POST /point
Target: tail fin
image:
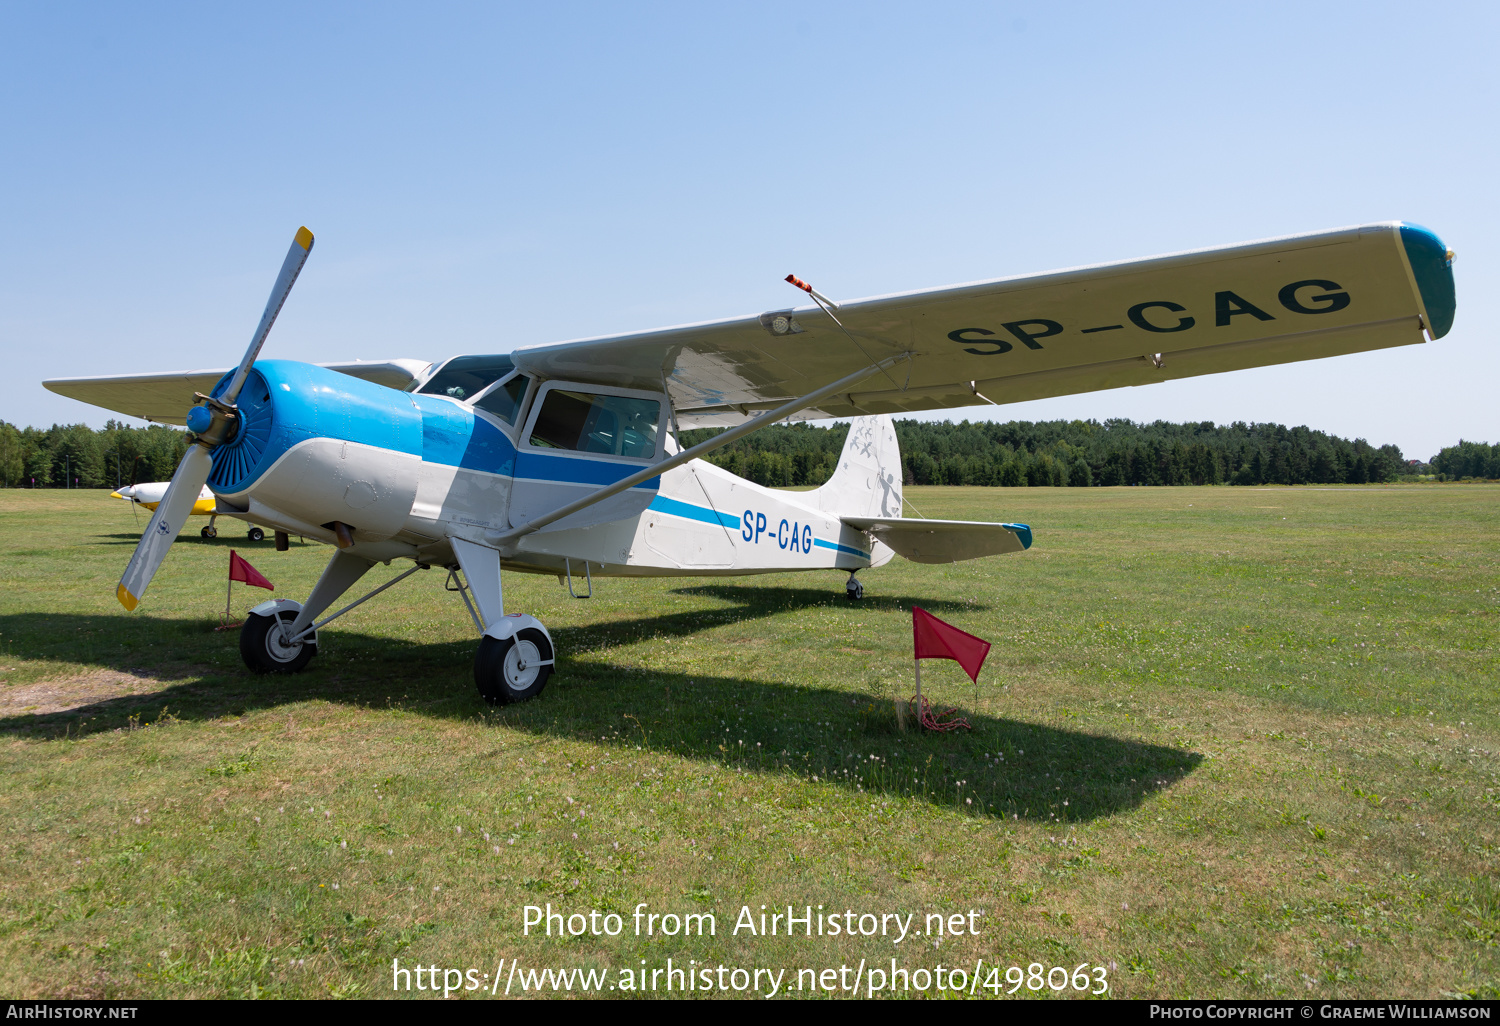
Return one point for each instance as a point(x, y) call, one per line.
point(867, 482)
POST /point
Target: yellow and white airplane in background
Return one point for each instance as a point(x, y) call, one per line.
point(150, 495)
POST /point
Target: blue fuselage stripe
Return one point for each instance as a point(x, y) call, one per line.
point(688, 511)
point(820, 543)
point(535, 466)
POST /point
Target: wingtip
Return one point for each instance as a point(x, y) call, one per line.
point(304, 238)
point(127, 600)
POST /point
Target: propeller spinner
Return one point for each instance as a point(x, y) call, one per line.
point(213, 422)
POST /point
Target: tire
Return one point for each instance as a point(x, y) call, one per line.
point(511, 671)
point(209, 532)
point(256, 534)
point(262, 651)
point(854, 591)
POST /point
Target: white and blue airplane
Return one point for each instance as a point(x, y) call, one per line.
point(563, 459)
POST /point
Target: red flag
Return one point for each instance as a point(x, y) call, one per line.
point(934, 639)
point(239, 570)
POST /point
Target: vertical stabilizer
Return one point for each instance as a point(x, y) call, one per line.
point(867, 482)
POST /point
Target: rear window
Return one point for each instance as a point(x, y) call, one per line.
point(608, 424)
point(503, 401)
point(464, 377)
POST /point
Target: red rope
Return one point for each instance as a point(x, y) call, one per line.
point(942, 719)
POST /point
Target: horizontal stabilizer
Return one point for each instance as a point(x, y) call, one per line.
point(943, 541)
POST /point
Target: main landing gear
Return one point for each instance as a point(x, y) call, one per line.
point(853, 590)
point(266, 645)
point(255, 534)
point(514, 669)
point(515, 656)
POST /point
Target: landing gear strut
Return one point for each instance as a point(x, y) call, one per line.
point(515, 655)
point(281, 637)
point(853, 590)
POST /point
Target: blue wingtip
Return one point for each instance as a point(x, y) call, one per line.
point(1433, 268)
point(1023, 532)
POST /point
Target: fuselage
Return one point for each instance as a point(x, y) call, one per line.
point(405, 472)
point(150, 494)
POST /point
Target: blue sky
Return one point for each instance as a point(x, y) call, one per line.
point(486, 176)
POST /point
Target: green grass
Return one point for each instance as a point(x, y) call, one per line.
point(1230, 742)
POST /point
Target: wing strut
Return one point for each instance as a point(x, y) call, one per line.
point(734, 434)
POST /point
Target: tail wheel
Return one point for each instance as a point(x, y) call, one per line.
point(854, 590)
point(514, 669)
point(264, 648)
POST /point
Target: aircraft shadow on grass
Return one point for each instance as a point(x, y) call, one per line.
point(847, 739)
point(763, 601)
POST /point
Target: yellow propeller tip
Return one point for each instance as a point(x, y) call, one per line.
point(304, 238)
point(116, 495)
point(127, 600)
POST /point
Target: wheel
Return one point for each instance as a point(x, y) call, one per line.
point(264, 650)
point(210, 532)
point(854, 591)
point(256, 534)
point(512, 670)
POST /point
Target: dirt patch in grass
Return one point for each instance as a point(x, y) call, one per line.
point(77, 692)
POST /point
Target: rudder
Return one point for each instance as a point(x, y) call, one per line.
point(867, 481)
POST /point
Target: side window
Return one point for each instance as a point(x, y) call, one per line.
point(506, 399)
point(608, 424)
point(464, 377)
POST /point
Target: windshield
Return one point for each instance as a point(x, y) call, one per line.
point(466, 376)
point(504, 400)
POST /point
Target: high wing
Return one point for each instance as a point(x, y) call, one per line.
point(166, 398)
point(1301, 297)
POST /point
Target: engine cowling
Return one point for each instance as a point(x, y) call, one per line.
point(321, 446)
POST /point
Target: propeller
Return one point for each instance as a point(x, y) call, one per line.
point(213, 422)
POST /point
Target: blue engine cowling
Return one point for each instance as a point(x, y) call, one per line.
point(322, 446)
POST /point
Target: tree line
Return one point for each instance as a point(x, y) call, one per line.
point(1011, 454)
point(1075, 453)
point(77, 456)
point(1468, 460)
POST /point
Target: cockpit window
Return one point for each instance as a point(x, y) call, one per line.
point(504, 400)
point(464, 377)
point(609, 424)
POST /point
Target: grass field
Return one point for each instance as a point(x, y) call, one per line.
point(1230, 742)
